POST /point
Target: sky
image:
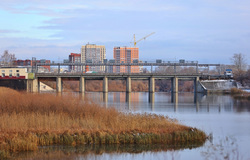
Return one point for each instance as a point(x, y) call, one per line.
point(207, 31)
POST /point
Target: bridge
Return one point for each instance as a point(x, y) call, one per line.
point(33, 85)
point(82, 77)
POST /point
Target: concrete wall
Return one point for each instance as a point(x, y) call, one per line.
point(19, 84)
point(218, 85)
point(201, 88)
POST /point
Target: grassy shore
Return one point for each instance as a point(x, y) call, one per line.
point(32, 120)
point(240, 94)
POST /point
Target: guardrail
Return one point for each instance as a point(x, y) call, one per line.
point(125, 64)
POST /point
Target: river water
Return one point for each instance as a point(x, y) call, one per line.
point(226, 119)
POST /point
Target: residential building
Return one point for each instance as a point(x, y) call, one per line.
point(91, 53)
point(13, 73)
point(74, 58)
point(110, 69)
point(126, 55)
point(30, 63)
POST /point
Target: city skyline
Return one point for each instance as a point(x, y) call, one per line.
point(208, 31)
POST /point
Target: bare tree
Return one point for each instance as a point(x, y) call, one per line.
point(7, 58)
point(239, 61)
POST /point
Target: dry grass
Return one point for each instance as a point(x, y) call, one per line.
point(237, 91)
point(240, 94)
point(25, 117)
point(48, 112)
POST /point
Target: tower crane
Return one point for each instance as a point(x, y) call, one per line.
point(143, 38)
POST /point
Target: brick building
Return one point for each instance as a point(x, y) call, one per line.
point(30, 63)
point(74, 58)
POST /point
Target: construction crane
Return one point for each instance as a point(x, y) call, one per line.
point(135, 42)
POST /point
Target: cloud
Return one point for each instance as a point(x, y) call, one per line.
point(198, 29)
point(2, 31)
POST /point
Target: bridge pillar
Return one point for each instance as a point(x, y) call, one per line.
point(33, 85)
point(105, 84)
point(151, 84)
point(174, 84)
point(128, 84)
point(196, 81)
point(58, 84)
point(82, 85)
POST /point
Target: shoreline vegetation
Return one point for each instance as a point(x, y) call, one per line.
point(240, 94)
point(32, 120)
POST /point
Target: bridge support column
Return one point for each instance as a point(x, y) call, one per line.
point(128, 84)
point(105, 84)
point(151, 84)
point(82, 85)
point(174, 84)
point(196, 81)
point(58, 84)
point(33, 85)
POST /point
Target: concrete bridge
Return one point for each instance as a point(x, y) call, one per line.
point(33, 85)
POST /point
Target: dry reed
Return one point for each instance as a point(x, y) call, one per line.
point(240, 94)
point(28, 120)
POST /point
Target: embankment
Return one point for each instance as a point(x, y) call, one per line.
point(219, 86)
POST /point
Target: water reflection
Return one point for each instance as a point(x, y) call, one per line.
point(170, 102)
point(98, 151)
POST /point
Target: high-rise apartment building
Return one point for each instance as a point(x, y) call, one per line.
point(91, 53)
point(126, 55)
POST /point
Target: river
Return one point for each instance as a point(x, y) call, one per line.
point(221, 116)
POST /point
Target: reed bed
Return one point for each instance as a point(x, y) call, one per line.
point(240, 94)
point(31, 120)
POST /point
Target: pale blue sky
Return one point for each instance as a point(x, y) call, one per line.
point(209, 31)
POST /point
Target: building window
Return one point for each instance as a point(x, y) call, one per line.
point(3, 71)
point(10, 71)
point(17, 71)
point(17, 75)
point(3, 74)
point(10, 75)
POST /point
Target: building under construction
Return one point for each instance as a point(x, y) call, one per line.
point(126, 55)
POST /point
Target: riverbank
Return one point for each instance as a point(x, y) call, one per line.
point(240, 94)
point(32, 120)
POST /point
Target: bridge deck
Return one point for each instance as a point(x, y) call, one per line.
point(125, 75)
point(117, 75)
